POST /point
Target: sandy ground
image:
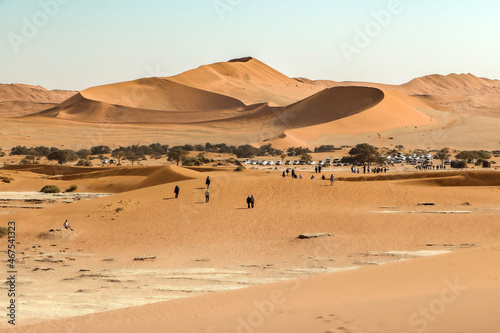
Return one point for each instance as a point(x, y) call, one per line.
point(207, 252)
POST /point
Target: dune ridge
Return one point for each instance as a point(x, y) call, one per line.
point(250, 102)
point(21, 99)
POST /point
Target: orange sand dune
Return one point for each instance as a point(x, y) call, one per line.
point(463, 93)
point(245, 101)
point(452, 84)
point(36, 94)
point(21, 99)
point(325, 106)
point(248, 80)
point(81, 109)
point(159, 94)
point(109, 179)
point(22, 108)
point(449, 178)
point(394, 111)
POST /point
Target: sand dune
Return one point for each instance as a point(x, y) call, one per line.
point(245, 101)
point(21, 99)
point(36, 94)
point(160, 94)
point(248, 80)
point(112, 180)
point(450, 178)
point(394, 111)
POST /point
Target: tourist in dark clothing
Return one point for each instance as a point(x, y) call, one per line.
point(249, 201)
point(252, 200)
point(207, 182)
point(176, 191)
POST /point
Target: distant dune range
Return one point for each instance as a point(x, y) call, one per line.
point(21, 99)
point(245, 101)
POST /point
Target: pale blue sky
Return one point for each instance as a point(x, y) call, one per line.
point(77, 44)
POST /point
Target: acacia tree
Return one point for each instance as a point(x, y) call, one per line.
point(118, 154)
point(365, 153)
point(132, 158)
point(176, 154)
point(306, 158)
point(83, 153)
point(442, 154)
point(32, 155)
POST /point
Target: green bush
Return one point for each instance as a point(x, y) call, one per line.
point(24, 161)
point(460, 164)
point(5, 179)
point(50, 189)
point(84, 163)
point(240, 168)
point(72, 188)
point(191, 161)
point(3, 231)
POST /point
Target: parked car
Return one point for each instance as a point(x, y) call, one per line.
point(270, 163)
point(296, 162)
point(288, 162)
point(279, 163)
point(263, 162)
point(312, 163)
point(105, 161)
point(321, 163)
point(254, 162)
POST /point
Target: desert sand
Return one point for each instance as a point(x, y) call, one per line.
point(404, 251)
point(381, 236)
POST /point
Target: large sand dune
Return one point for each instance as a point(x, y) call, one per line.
point(20, 99)
point(245, 101)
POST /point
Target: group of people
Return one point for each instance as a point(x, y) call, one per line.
point(367, 169)
point(313, 177)
point(430, 167)
point(207, 192)
point(250, 198)
point(294, 174)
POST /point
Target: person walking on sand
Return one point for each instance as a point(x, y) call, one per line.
point(287, 171)
point(176, 191)
point(249, 201)
point(207, 195)
point(332, 179)
point(252, 200)
point(207, 182)
point(67, 225)
point(284, 174)
point(316, 169)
